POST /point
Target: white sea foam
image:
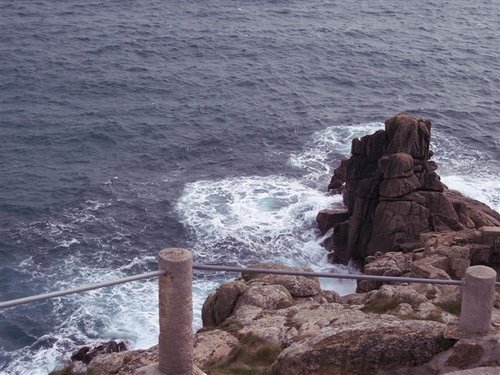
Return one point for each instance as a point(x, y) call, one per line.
point(127, 312)
point(242, 219)
point(467, 170)
point(68, 243)
point(122, 311)
point(326, 147)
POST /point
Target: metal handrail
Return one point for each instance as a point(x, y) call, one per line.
point(41, 297)
point(214, 267)
point(207, 267)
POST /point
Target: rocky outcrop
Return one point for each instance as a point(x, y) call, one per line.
point(289, 325)
point(394, 327)
point(444, 255)
point(324, 334)
point(393, 194)
point(213, 346)
point(262, 291)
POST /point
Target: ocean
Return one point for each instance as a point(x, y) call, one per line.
point(127, 127)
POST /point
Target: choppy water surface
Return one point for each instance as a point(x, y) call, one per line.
point(127, 127)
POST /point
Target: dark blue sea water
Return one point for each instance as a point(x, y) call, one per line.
point(127, 127)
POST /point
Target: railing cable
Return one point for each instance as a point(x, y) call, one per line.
point(232, 269)
point(41, 297)
point(207, 267)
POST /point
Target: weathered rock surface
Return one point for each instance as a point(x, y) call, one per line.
point(328, 218)
point(474, 355)
point(87, 353)
point(388, 264)
point(297, 286)
point(395, 329)
point(125, 363)
point(478, 371)
point(444, 255)
point(212, 346)
point(363, 348)
point(264, 291)
point(219, 306)
point(393, 194)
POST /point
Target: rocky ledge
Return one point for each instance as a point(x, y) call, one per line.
point(399, 220)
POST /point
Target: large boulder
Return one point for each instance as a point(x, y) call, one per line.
point(364, 348)
point(478, 355)
point(255, 292)
point(220, 304)
point(392, 194)
point(267, 297)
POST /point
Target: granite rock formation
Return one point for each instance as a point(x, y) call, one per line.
point(289, 325)
point(393, 194)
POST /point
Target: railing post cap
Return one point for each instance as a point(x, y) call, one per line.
point(481, 272)
point(175, 255)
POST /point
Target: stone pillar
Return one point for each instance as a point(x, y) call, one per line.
point(176, 312)
point(477, 300)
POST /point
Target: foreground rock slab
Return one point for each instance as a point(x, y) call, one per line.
point(364, 348)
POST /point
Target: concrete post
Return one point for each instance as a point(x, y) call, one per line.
point(176, 312)
point(477, 300)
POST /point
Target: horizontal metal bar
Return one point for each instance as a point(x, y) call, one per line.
point(41, 297)
point(213, 267)
point(206, 267)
